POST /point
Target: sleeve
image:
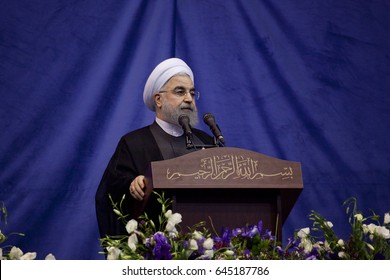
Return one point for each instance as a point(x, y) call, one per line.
point(116, 180)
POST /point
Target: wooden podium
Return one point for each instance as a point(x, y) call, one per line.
point(229, 187)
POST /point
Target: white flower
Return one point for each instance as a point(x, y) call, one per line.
point(113, 253)
point(208, 244)
point(341, 243)
point(359, 217)
point(132, 242)
point(327, 246)
point(50, 257)
point(229, 253)
point(15, 253)
point(376, 230)
point(342, 254)
point(29, 256)
point(306, 245)
point(193, 245)
point(386, 219)
point(173, 218)
point(131, 226)
point(303, 233)
point(168, 213)
point(383, 232)
point(319, 245)
point(172, 234)
point(197, 235)
point(209, 253)
point(372, 227)
point(329, 224)
point(365, 229)
point(170, 227)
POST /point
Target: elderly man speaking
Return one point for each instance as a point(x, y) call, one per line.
point(169, 91)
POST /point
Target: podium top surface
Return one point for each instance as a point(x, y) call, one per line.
point(226, 168)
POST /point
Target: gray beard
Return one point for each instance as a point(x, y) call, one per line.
point(172, 114)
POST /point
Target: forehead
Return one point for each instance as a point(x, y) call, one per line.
point(179, 81)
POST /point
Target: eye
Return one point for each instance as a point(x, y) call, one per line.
point(180, 92)
point(192, 92)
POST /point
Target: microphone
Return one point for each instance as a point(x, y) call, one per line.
point(210, 121)
point(184, 122)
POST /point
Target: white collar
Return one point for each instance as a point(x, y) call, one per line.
point(169, 128)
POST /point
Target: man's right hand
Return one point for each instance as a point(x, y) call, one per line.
point(137, 187)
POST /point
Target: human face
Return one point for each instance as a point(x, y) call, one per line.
point(169, 106)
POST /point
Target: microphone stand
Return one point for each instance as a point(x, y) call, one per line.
point(203, 147)
point(189, 142)
point(218, 142)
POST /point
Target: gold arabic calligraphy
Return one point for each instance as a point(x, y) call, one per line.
point(230, 166)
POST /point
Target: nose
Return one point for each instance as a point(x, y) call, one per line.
point(188, 97)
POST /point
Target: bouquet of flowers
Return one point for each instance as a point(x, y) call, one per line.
point(168, 241)
point(369, 239)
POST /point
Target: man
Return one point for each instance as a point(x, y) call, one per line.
point(170, 92)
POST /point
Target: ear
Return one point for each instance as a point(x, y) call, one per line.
point(157, 100)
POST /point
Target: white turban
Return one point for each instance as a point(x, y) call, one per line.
point(160, 75)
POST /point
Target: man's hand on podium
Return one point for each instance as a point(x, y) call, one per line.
point(137, 187)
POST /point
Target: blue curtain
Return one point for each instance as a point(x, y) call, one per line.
point(299, 80)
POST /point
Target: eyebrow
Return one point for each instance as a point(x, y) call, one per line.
point(182, 87)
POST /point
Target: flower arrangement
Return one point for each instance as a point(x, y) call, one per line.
point(12, 252)
point(368, 240)
point(168, 241)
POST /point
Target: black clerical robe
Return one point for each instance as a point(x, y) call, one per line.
point(131, 158)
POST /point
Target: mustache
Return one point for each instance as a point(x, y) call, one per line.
point(187, 108)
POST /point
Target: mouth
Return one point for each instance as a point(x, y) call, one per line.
point(187, 109)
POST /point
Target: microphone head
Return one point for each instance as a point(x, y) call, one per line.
point(210, 121)
point(184, 119)
point(207, 118)
point(184, 122)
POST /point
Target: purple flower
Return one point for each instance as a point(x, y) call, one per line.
point(252, 231)
point(224, 240)
point(247, 253)
point(268, 235)
point(292, 242)
point(161, 250)
point(200, 245)
point(236, 232)
point(147, 243)
point(260, 226)
point(312, 255)
point(226, 236)
point(185, 244)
